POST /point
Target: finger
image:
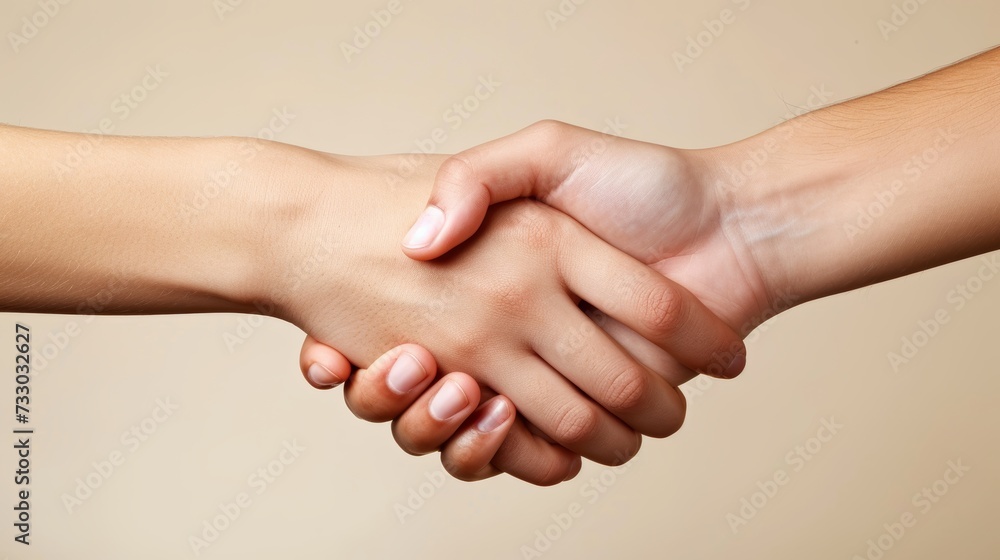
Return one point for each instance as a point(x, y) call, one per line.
point(530, 162)
point(322, 366)
point(657, 308)
point(468, 454)
point(524, 452)
point(596, 364)
point(644, 351)
point(392, 383)
point(436, 414)
point(533, 458)
point(555, 406)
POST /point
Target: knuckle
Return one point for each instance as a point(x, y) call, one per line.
point(532, 226)
point(623, 450)
point(576, 423)
point(663, 310)
point(509, 297)
point(625, 454)
point(467, 342)
point(455, 171)
point(366, 406)
point(546, 466)
point(674, 421)
point(553, 473)
point(626, 390)
point(412, 441)
point(461, 463)
point(551, 130)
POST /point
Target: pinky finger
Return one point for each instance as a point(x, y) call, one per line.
point(468, 454)
point(323, 366)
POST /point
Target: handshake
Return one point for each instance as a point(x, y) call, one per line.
point(621, 273)
point(565, 282)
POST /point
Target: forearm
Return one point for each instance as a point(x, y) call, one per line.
point(141, 225)
point(877, 187)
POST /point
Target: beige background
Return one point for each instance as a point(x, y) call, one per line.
point(339, 498)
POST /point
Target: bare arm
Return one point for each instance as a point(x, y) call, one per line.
point(124, 224)
point(873, 188)
point(180, 225)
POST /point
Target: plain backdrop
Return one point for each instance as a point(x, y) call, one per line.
point(708, 492)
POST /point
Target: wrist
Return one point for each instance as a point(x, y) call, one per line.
point(237, 209)
point(285, 193)
point(824, 208)
point(335, 220)
point(780, 203)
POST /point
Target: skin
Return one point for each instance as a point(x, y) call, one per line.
point(857, 193)
point(184, 225)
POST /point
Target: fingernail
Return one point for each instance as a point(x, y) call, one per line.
point(449, 401)
point(493, 417)
point(423, 232)
point(405, 374)
point(736, 366)
point(321, 376)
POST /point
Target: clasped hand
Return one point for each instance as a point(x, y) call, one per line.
point(585, 308)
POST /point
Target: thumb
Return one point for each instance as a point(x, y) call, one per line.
point(530, 162)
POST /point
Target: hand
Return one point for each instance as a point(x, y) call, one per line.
point(651, 200)
point(507, 273)
point(656, 203)
point(480, 431)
